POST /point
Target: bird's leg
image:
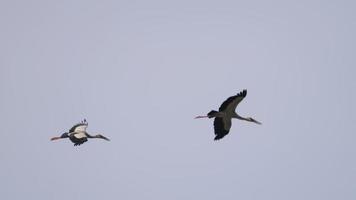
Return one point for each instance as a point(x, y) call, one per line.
point(249, 119)
point(98, 136)
point(255, 121)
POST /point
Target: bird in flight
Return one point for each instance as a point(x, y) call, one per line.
point(222, 121)
point(78, 134)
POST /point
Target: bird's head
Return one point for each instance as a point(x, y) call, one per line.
point(65, 135)
point(253, 120)
point(211, 114)
point(102, 137)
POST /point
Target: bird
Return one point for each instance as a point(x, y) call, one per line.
point(222, 121)
point(78, 134)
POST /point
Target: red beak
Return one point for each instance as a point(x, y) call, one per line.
point(55, 138)
point(198, 117)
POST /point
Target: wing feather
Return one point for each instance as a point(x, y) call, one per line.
point(231, 103)
point(222, 127)
point(78, 138)
point(80, 127)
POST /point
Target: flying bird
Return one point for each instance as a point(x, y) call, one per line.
point(78, 134)
point(222, 121)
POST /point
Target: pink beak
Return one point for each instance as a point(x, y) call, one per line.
point(55, 138)
point(198, 117)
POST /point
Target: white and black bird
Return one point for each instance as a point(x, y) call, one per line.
point(78, 134)
point(222, 121)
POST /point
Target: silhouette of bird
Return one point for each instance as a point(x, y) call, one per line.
point(222, 121)
point(78, 134)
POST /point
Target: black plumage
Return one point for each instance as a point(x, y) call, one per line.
point(78, 134)
point(219, 128)
point(230, 100)
point(77, 141)
point(222, 121)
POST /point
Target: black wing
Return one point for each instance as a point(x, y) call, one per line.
point(80, 142)
point(77, 141)
point(221, 127)
point(80, 127)
point(233, 101)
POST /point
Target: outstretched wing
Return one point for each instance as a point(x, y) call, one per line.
point(80, 127)
point(222, 127)
point(229, 105)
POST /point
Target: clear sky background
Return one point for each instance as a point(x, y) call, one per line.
point(140, 71)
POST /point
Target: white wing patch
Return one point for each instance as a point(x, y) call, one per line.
point(81, 128)
point(79, 135)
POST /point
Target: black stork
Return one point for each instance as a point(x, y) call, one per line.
point(222, 121)
point(78, 134)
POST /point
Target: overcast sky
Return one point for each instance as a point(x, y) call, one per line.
point(140, 71)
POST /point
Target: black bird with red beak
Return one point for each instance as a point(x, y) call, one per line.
point(222, 121)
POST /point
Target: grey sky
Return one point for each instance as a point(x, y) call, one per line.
point(140, 71)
